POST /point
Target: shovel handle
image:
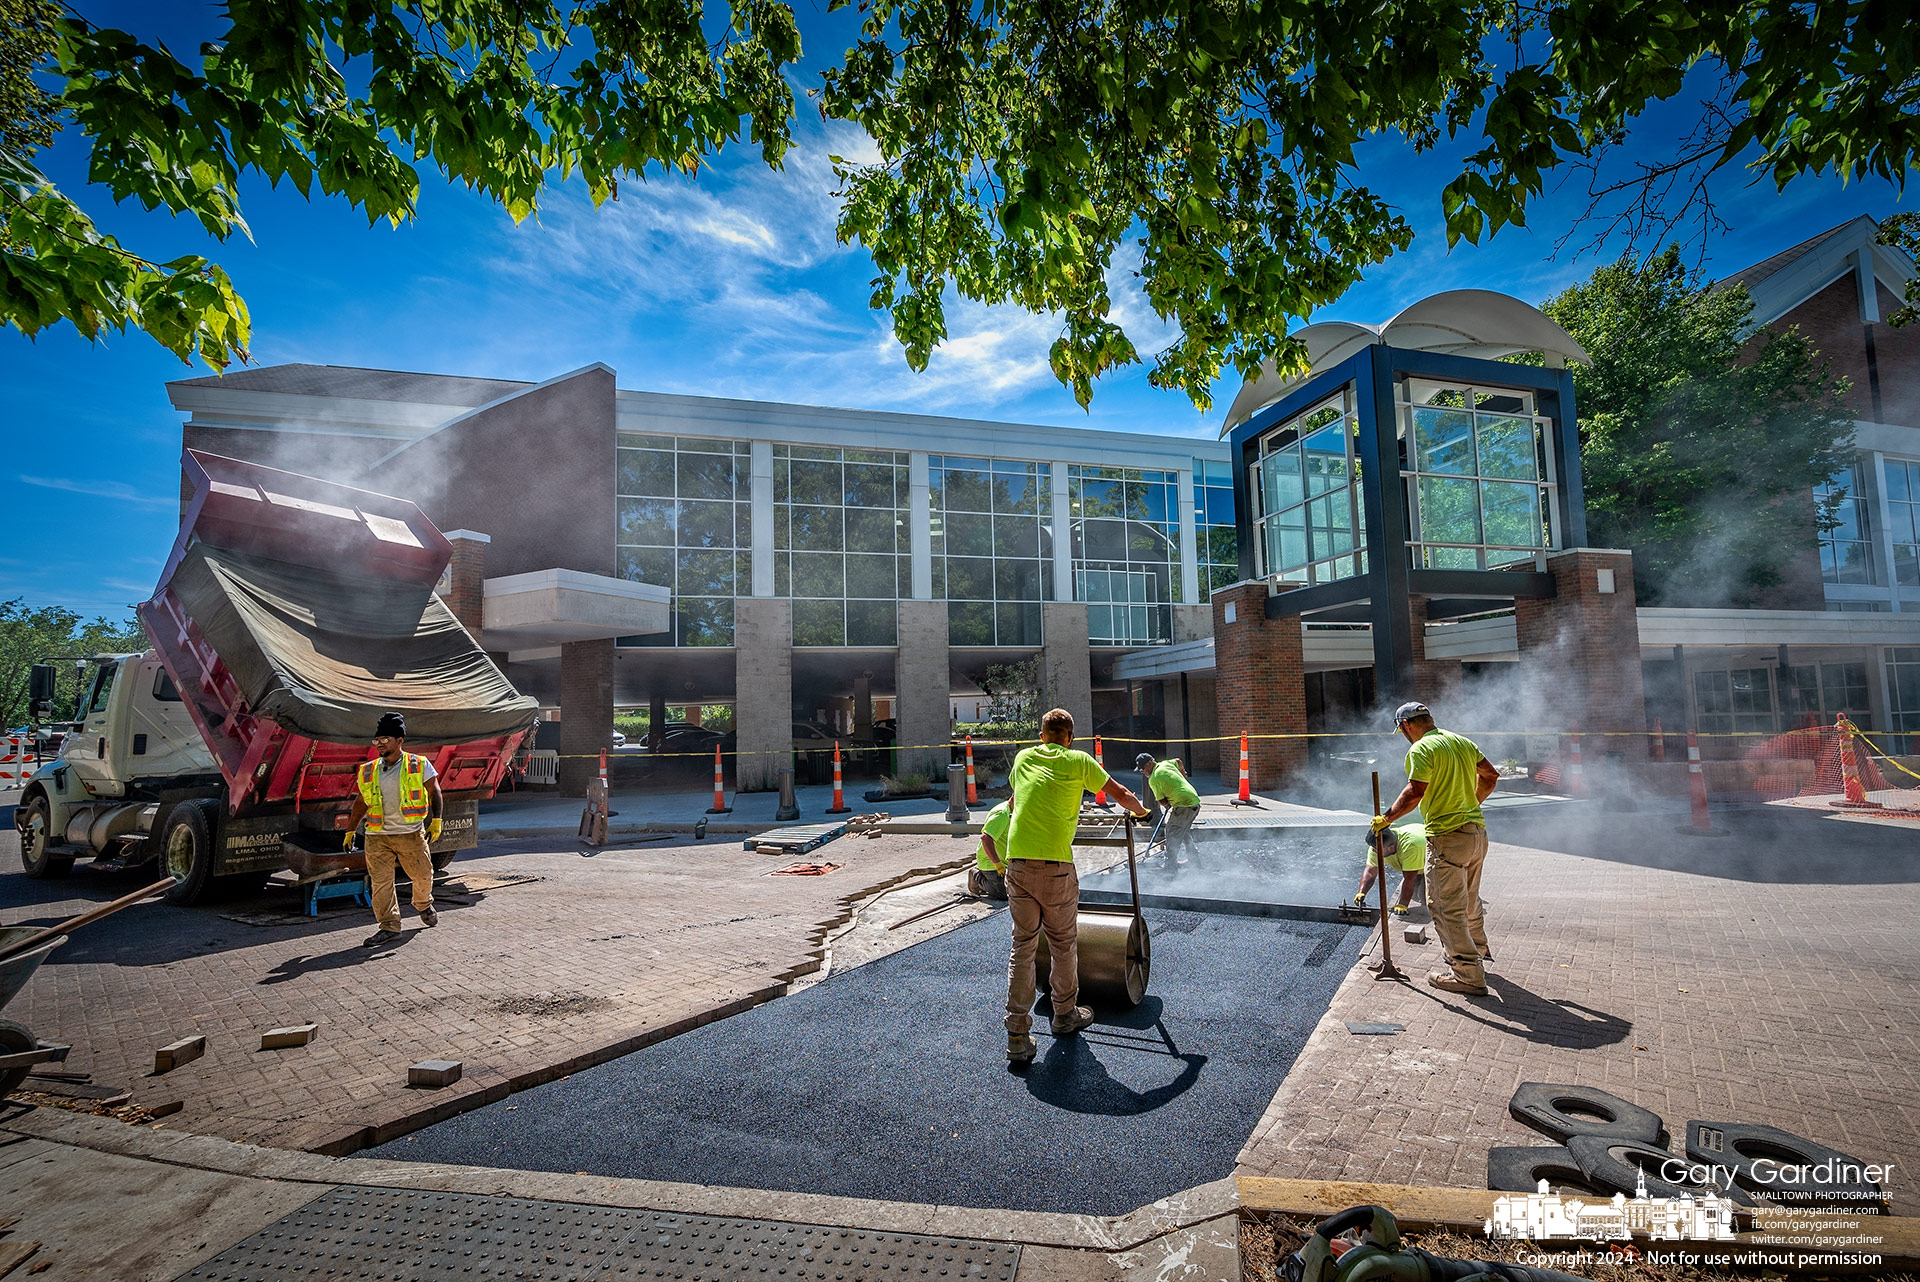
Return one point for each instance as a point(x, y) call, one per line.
point(86, 918)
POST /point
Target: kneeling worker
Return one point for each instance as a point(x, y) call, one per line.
point(1405, 848)
point(988, 879)
point(1043, 887)
point(1169, 786)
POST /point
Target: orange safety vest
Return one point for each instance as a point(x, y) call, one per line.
point(413, 790)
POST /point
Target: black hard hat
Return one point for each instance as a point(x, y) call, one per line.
point(1142, 761)
point(392, 725)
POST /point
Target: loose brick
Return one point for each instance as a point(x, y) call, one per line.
point(174, 1054)
point(434, 1073)
point(293, 1035)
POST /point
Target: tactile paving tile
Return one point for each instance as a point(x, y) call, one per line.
point(405, 1235)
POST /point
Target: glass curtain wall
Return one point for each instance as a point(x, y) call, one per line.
point(1903, 511)
point(1309, 522)
point(683, 525)
point(1126, 552)
point(1903, 684)
point(840, 543)
point(992, 547)
point(1479, 476)
point(1846, 550)
point(1219, 552)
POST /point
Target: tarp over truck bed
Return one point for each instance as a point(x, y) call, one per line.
point(325, 654)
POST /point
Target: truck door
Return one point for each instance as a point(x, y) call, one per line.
point(161, 740)
point(88, 751)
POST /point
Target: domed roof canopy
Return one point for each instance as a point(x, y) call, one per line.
point(1460, 322)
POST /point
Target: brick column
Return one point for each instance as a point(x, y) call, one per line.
point(467, 578)
point(1432, 678)
point(586, 712)
point(1587, 639)
point(1260, 685)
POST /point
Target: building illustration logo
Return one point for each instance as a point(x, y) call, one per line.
point(1542, 1216)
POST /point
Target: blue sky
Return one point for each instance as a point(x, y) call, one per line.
point(730, 285)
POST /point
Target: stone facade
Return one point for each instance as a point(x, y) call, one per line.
point(1590, 639)
point(922, 680)
point(1260, 685)
point(1064, 663)
point(586, 712)
point(763, 712)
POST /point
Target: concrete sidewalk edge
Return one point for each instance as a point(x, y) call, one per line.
point(1173, 1214)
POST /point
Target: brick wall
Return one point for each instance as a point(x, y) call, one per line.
point(1259, 686)
point(467, 577)
point(1588, 641)
point(1432, 678)
point(586, 712)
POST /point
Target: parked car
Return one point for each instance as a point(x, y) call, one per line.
point(619, 740)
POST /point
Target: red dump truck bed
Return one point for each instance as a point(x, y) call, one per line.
point(291, 614)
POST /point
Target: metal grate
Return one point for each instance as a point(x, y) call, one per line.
point(404, 1235)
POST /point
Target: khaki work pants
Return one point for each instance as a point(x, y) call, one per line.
point(1454, 860)
point(410, 850)
point(1178, 834)
point(1042, 894)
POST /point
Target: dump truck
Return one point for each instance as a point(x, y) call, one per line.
point(291, 613)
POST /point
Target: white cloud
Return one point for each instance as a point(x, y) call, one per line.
point(113, 491)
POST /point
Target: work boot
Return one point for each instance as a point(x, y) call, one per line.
point(1447, 982)
point(1072, 1022)
point(1020, 1048)
point(381, 938)
point(428, 917)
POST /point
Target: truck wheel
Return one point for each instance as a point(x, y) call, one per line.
point(186, 850)
point(15, 1039)
point(36, 835)
point(441, 858)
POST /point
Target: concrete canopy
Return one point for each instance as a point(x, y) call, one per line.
point(1461, 322)
point(555, 606)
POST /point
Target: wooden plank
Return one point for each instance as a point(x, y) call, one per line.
point(1894, 1239)
point(15, 1254)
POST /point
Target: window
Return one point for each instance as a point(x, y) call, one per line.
point(992, 534)
point(1478, 474)
point(1846, 550)
point(840, 543)
point(1903, 684)
point(1813, 694)
point(1740, 701)
point(1903, 513)
point(1308, 521)
point(684, 525)
point(1218, 553)
point(1126, 548)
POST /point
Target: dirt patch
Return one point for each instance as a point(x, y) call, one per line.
point(551, 1005)
point(131, 1114)
point(1266, 1239)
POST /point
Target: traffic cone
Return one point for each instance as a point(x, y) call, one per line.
point(1697, 785)
point(1576, 773)
point(1849, 767)
point(1659, 743)
point(839, 806)
point(973, 793)
point(1246, 776)
point(1100, 797)
point(720, 806)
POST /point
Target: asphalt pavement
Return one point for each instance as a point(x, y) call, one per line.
point(890, 1081)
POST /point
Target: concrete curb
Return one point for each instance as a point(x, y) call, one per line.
point(1030, 1228)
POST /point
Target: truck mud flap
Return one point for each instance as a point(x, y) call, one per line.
point(1560, 1112)
point(1737, 1147)
point(459, 826)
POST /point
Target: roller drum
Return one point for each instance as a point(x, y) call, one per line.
point(1116, 957)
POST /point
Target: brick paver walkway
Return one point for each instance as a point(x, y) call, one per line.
point(604, 953)
point(1695, 996)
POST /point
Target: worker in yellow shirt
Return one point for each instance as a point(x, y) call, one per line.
point(1447, 779)
point(988, 878)
point(1405, 849)
point(1180, 805)
point(1043, 887)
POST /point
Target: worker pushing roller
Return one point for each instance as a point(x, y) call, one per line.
point(1447, 779)
point(1043, 887)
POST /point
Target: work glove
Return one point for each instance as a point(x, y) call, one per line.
point(1398, 910)
point(346, 839)
point(1359, 899)
point(433, 829)
point(1380, 823)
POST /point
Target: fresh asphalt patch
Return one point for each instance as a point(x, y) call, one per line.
point(890, 1081)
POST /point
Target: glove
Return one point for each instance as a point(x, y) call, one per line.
point(346, 839)
point(433, 829)
point(1359, 899)
point(1398, 910)
point(1380, 823)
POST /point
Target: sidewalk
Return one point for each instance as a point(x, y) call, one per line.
point(536, 814)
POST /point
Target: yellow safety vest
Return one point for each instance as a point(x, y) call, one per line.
point(413, 790)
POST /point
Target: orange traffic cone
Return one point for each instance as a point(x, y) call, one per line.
point(720, 806)
point(1849, 767)
point(1246, 776)
point(839, 806)
point(1100, 797)
point(973, 793)
point(1697, 785)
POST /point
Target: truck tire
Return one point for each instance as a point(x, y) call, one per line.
point(15, 1039)
point(186, 850)
point(35, 823)
point(441, 858)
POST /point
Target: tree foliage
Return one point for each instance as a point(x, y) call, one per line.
point(26, 40)
point(29, 635)
point(1700, 444)
point(507, 97)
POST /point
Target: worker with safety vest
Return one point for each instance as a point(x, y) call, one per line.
point(399, 801)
